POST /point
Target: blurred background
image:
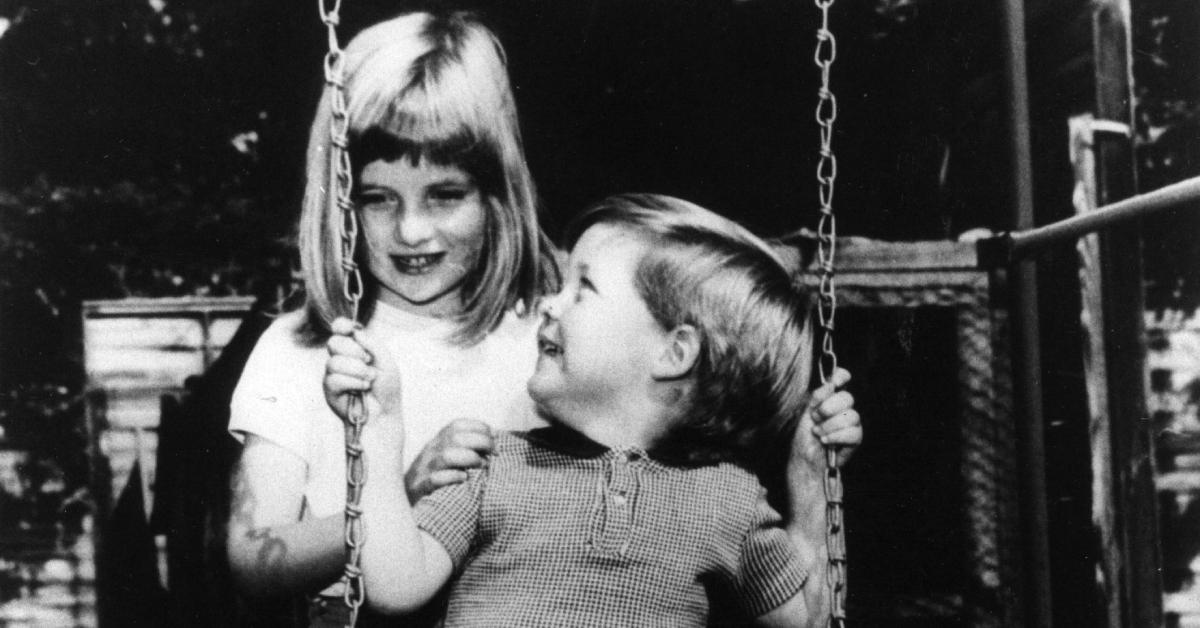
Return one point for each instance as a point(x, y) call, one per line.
point(152, 149)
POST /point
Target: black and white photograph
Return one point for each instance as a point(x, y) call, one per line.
point(781, 313)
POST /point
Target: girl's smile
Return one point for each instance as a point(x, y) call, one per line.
point(417, 264)
point(424, 229)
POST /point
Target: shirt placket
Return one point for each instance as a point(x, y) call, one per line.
point(613, 521)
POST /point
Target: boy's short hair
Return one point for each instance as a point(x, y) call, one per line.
point(433, 87)
point(700, 269)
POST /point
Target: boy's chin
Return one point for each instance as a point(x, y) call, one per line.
point(544, 406)
point(540, 389)
point(541, 401)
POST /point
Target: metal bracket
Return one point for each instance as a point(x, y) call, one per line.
point(994, 252)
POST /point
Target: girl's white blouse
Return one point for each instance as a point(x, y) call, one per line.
point(280, 396)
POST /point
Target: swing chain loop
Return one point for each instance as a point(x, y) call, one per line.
point(826, 114)
point(339, 190)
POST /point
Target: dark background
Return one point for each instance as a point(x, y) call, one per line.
point(119, 174)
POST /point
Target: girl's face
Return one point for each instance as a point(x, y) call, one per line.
point(424, 228)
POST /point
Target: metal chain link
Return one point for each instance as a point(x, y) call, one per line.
point(826, 114)
point(339, 190)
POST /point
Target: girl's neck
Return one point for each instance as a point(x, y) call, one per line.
point(447, 309)
point(390, 315)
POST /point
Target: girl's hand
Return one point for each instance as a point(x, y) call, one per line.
point(830, 419)
point(460, 445)
point(356, 365)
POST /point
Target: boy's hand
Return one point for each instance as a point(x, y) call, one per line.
point(356, 365)
point(460, 445)
point(830, 419)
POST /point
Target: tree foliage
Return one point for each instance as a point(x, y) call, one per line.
point(1167, 78)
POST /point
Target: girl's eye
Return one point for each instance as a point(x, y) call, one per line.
point(449, 195)
point(374, 201)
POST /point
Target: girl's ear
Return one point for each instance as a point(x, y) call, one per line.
point(680, 352)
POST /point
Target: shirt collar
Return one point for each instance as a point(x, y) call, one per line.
point(565, 440)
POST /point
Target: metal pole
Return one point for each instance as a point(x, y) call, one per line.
point(1025, 243)
point(1027, 360)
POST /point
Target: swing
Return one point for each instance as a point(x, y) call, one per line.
point(340, 183)
point(353, 592)
point(826, 114)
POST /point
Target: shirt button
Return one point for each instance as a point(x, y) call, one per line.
point(620, 499)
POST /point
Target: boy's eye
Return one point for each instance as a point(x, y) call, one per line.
point(585, 285)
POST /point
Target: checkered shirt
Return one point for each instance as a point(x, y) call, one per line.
point(561, 531)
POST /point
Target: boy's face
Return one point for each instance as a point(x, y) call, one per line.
point(598, 340)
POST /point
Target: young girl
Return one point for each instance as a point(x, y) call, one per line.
point(454, 260)
point(453, 257)
point(676, 356)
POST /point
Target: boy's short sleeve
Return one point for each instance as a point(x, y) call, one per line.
point(451, 515)
point(770, 570)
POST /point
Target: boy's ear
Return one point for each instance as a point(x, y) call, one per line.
point(681, 350)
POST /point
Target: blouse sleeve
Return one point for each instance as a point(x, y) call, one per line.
point(279, 395)
point(770, 570)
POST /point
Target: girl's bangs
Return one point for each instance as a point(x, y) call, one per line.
point(440, 121)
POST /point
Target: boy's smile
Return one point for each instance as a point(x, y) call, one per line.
point(598, 340)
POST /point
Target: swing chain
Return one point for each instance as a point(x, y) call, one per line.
point(353, 591)
point(826, 114)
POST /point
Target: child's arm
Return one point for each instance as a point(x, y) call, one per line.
point(403, 567)
point(272, 552)
point(809, 607)
point(461, 445)
point(778, 579)
point(792, 614)
point(830, 420)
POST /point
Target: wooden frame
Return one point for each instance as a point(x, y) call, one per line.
point(875, 274)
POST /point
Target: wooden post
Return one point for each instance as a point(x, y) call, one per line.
point(1133, 556)
point(1091, 318)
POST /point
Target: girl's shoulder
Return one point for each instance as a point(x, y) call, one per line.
point(286, 332)
point(283, 344)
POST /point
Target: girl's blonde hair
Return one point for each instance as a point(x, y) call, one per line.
point(437, 87)
point(704, 270)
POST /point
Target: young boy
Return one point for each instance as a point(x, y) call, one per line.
point(676, 353)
